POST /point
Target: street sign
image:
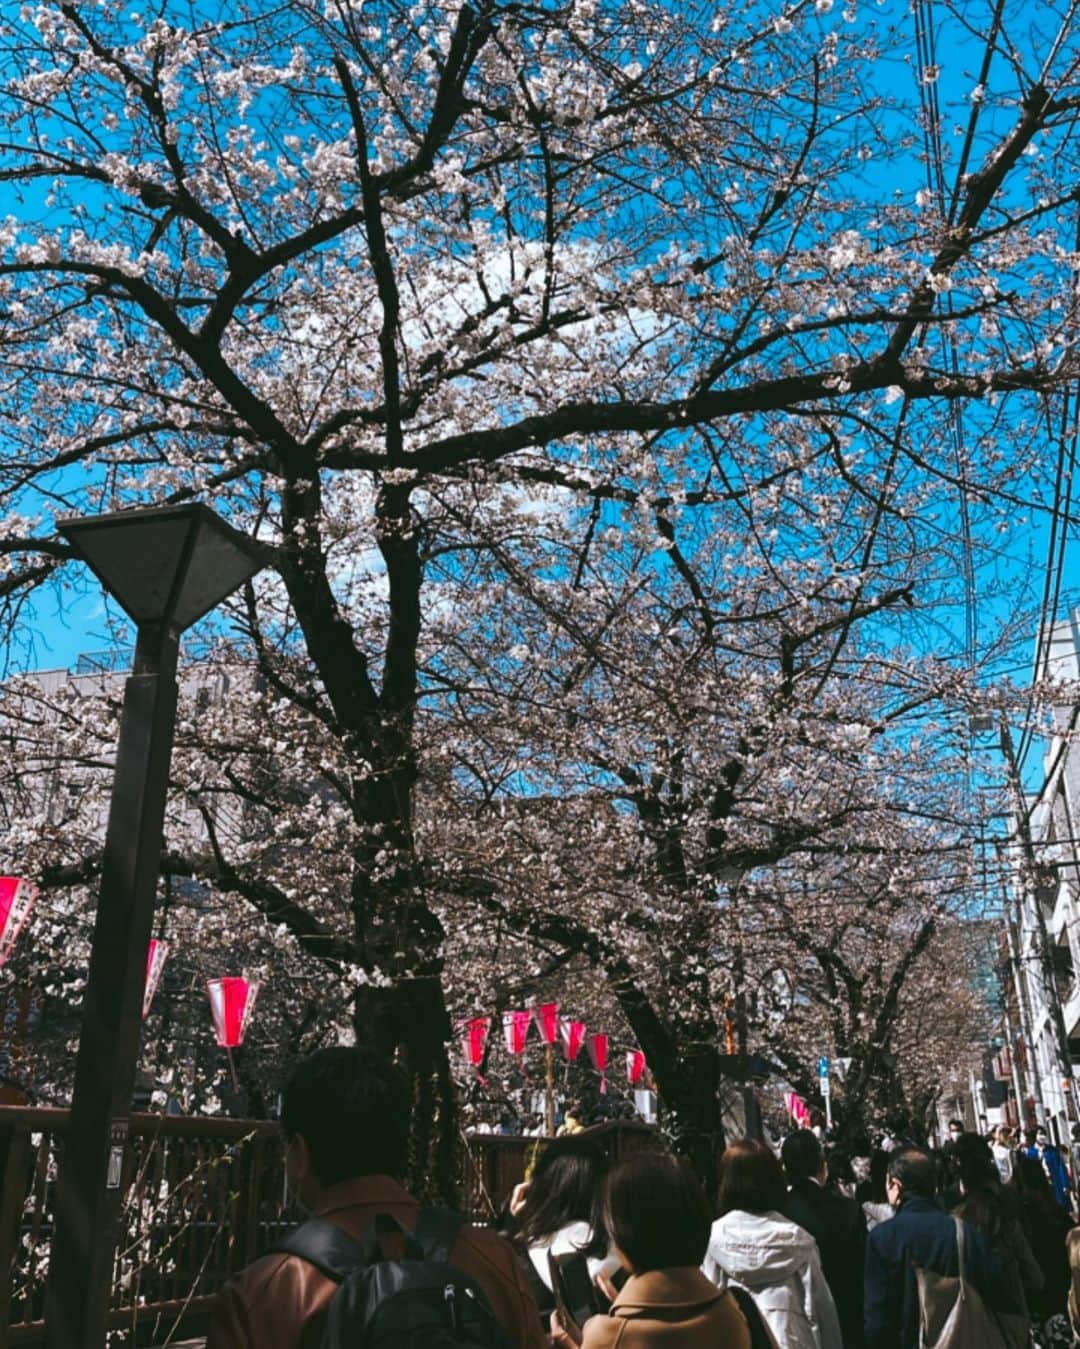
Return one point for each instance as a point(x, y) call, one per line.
point(823, 1066)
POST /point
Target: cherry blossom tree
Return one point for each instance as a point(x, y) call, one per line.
point(475, 313)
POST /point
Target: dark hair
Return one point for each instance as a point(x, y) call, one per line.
point(981, 1205)
point(566, 1187)
point(914, 1170)
point(751, 1179)
point(879, 1169)
point(956, 1124)
point(1032, 1183)
point(351, 1107)
point(802, 1155)
point(974, 1163)
point(657, 1213)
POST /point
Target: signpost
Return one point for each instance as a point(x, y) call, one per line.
point(823, 1076)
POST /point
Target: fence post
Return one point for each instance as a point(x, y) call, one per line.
point(251, 1201)
point(14, 1156)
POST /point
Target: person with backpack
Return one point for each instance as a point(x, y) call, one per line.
point(372, 1267)
point(919, 1238)
point(659, 1221)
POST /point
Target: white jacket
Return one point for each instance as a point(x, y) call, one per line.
point(777, 1262)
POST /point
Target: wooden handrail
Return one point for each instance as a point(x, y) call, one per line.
point(54, 1119)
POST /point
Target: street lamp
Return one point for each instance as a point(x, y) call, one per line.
point(166, 566)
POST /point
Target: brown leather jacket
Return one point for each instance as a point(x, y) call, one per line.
point(676, 1308)
point(280, 1301)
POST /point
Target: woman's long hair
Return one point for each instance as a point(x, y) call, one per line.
point(567, 1187)
point(978, 1175)
point(1033, 1186)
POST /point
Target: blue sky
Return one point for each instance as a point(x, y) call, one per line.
point(65, 624)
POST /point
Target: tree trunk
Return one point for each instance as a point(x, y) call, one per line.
point(408, 1021)
point(691, 1091)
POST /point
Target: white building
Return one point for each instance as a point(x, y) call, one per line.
point(1045, 898)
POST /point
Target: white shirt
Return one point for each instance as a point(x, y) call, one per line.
point(573, 1237)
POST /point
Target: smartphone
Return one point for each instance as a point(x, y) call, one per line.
point(572, 1288)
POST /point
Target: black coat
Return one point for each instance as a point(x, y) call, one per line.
point(920, 1234)
point(839, 1228)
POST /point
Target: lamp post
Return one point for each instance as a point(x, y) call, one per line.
point(167, 567)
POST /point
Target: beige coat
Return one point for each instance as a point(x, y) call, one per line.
point(669, 1309)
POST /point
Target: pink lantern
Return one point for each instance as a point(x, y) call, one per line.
point(635, 1066)
point(475, 1039)
point(232, 1000)
point(516, 1030)
point(797, 1109)
point(155, 963)
point(598, 1052)
point(573, 1037)
point(16, 900)
point(547, 1020)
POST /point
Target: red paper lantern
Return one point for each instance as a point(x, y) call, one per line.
point(797, 1109)
point(16, 900)
point(232, 1001)
point(475, 1039)
point(598, 1052)
point(516, 1030)
point(547, 1020)
point(155, 963)
point(635, 1066)
point(573, 1037)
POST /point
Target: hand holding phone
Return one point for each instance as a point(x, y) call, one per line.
point(610, 1282)
point(564, 1336)
point(572, 1288)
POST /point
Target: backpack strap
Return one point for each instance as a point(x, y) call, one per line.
point(436, 1231)
point(960, 1252)
point(324, 1245)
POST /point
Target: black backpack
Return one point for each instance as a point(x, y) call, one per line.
point(418, 1302)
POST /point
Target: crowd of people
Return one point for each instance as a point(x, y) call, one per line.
point(971, 1244)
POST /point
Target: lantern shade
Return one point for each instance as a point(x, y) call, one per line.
point(547, 1022)
point(232, 1001)
point(573, 1037)
point(516, 1030)
point(156, 954)
point(797, 1108)
point(164, 564)
point(598, 1052)
point(635, 1066)
point(475, 1039)
point(16, 900)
